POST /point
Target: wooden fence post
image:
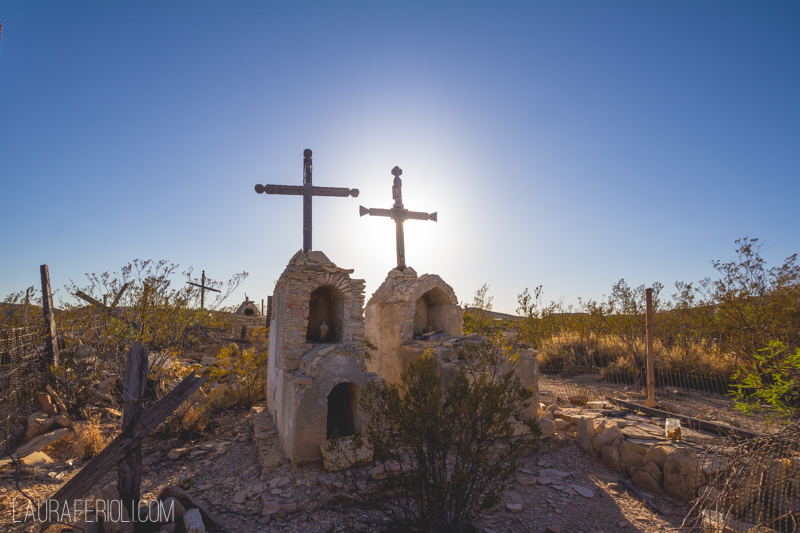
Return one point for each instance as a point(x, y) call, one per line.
point(129, 470)
point(651, 371)
point(25, 307)
point(49, 317)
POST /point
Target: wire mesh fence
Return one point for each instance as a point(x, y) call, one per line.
point(592, 357)
point(22, 376)
point(754, 486)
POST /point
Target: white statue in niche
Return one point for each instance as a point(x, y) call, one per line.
point(323, 331)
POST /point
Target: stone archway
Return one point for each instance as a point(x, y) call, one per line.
point(343, 410)
point(325, 308)
point(430, 311)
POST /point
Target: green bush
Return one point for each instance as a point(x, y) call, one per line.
point(770, 383)
point(447, 454)
point(245, 370)
point(477, 318)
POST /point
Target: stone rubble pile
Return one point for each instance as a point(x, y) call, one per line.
point(637, 446)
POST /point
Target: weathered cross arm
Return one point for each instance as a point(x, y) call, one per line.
point(119, 295)
point(204, 287)
point(334, 191)
point(397, 214)
point(83, 296)
point(416, 215)
point(299, 190)
point(124, 443)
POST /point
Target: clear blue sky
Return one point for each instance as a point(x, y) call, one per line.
point(568, 144)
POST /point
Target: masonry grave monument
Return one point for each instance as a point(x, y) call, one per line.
point(316, 343)
point(410, 314)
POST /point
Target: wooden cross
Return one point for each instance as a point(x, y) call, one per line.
point(307, 190)
point(399, 214)
point(83, 296)
point(203, 288)
point(125, 449)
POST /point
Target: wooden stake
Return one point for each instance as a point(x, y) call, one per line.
point(25, 307)
point(49, 317)
point(129, 471)
point(651, 371)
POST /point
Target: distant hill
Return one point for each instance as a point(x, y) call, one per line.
point(494, 314)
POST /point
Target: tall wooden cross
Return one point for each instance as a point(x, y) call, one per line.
point(203, 289)
point(307, 190)
point(399, 214)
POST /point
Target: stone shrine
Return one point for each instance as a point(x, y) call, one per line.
point(404, 308)
point(316, 363)
point(409, 315)
point(248, 308)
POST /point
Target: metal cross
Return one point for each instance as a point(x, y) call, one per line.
point(399, 214)
point(307, 190)
point(203, 288)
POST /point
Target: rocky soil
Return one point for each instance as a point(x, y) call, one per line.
point(558, 486)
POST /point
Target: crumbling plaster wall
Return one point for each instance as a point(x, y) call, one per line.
point(301, 374)
point(389, 319)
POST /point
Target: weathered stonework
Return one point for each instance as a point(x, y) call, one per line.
point(248, 308)
point(316, 344)
point(408, 315)
point(402, 308)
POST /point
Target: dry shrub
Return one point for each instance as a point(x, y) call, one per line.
point(245, 370)
point(88, 440)
point(696, 358)
point(571, 352)
point(189, 420)
point(690, 364)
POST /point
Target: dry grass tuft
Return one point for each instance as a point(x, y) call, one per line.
point(88, 440)
point(189, 420)
point(690, 364)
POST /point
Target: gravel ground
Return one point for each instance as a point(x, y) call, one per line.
point(580, 496)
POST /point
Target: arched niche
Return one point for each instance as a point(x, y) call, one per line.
point(249, 312)
point(343, 417)
point(326, 305)
point(429, 312)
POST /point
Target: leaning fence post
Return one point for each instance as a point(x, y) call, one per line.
point(651, 371)
point(49, 317)
point(129, 470)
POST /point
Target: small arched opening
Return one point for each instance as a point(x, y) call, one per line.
point(249, 312)
point(343, 419)
point(430, 312)
point(325, 315)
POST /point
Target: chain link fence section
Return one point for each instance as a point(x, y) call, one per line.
point(587, 360)
point(754, 486)
point(22, 376)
